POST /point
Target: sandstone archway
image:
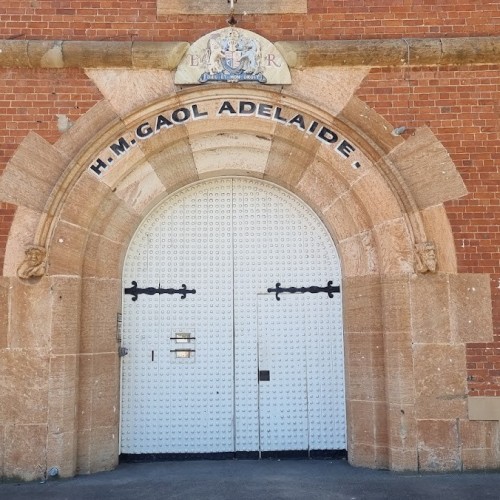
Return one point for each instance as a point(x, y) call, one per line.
point(380, 202)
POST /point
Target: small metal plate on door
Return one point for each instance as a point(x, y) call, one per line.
point(264, 376)
point(183, 354)
point(182, 338)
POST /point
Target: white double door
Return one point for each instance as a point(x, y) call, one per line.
point(230, 368)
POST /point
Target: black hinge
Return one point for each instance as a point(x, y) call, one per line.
point(135, 291)
point(329, 289)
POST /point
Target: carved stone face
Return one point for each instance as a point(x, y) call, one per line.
point(34, 256)
point(426, 259)
point(429, 258)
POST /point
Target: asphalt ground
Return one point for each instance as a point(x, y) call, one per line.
point(257, 480)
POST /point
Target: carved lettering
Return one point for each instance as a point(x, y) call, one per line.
point(327, 135)
point(228, 108)
point(265, 110)
point(181, 115)
point(120, 146)
point(144, 131)
point(194, 61)
point(277, 116)
point(271, 60)
point(198, 114)
point(247, 108)
point(312, 127)
point(344, 149)
point(161, 121)
point(298, 121)
point(98, 166)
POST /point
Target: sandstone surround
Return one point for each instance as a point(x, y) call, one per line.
point(140, 86)
point(405, 332)
point(438, 445)
point(427, 167)
point(480, 445)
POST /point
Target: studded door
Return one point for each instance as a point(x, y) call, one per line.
point(278, 239)
point(190, 381)
point(283, 408)
point(301, 395)
point(178, 377)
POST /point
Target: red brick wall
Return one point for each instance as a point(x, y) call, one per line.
point(462, 107)
point(31, 100)
point(327, 19)
point(6, 217)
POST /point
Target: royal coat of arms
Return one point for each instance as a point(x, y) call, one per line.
point(232, 57)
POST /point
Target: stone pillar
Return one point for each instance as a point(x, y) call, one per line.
point(447, 311)
point(399, 373)
point(63, 375)
point(365, 372)
point(99, 381)
point(38, 374)
point(406, 371)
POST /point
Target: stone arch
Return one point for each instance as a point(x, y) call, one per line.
point(189, 151)
point(375, 213)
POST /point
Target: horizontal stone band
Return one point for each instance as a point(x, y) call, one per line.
point(167, 55)
point(90, 54)
point(380, 53)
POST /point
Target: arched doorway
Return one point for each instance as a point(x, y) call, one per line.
point(379, 215)
point(235, 364)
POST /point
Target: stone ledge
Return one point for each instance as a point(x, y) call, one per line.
point(484, 408)
point(394, 52)
point(90, 54)
point(167, 55)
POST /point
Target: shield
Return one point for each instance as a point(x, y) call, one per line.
point(232, 61)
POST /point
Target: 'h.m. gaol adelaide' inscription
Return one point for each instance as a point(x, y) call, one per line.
point(162, 122)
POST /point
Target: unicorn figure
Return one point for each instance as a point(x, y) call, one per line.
point(250, 57)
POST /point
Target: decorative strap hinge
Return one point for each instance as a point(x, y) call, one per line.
point(329, 289)
point(135, 291)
